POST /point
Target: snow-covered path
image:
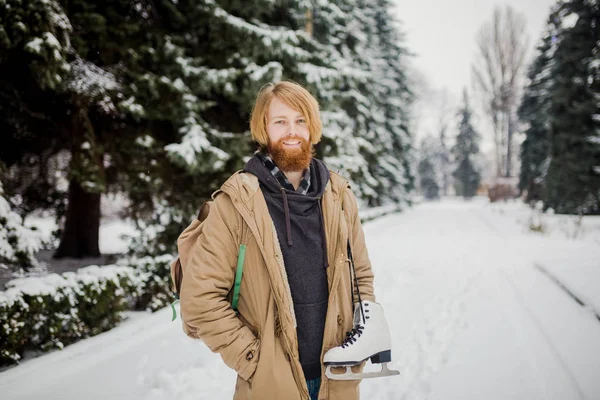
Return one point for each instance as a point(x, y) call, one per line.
point(471, 314)
point(470, 299)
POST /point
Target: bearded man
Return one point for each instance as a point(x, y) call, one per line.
point(297, 221)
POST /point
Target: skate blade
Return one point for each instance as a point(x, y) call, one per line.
point(351, 376)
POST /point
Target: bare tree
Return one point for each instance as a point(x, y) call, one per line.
point(502, 45)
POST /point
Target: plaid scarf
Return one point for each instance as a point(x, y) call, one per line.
point(282, 179)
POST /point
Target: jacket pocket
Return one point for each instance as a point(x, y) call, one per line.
point(250, 326)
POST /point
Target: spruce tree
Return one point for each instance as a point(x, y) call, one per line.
point(429, 168)
point(367, 136)
point(466, 148)
point(148, 98)
point(534, 113)
point(18, 244)
point(152, 99)
point(572, 183)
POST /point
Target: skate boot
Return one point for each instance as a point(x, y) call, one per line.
point(370, 338)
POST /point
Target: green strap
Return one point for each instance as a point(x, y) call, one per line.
point(236, 286)
point(238, 277)
point(173, 308)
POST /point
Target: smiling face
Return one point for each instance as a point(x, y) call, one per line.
point(284, 121)
point(289, 135)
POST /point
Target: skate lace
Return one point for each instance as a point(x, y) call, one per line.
point(352, 335)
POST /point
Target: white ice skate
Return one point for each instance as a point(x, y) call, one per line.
point(370, 338)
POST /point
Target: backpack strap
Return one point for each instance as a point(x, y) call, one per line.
point(204, 210)
point(202, 215)
point(240, 266)
point(238, 277)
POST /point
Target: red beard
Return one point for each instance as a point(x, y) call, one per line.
point(293, 160)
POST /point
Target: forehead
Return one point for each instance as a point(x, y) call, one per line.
point(279, 108)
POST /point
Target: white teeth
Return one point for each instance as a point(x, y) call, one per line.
point(291, 143)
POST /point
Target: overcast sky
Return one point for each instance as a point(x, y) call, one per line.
point(442, 33)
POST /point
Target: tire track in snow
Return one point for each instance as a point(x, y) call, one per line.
point(433, 342)
point(438, 311)
point(433, 347)
point(544, 334)
point(567, 290)
point(534, 319)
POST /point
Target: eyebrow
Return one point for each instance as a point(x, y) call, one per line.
point(283, 116)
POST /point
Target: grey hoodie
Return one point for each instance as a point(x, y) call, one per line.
point(298, 220)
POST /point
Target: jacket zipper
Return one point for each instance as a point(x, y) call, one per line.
point(331, 332)
point(301, 385)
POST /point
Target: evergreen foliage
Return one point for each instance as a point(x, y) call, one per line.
point(152, 99)
point(562, 147)
point(430, 168)
point(18, 243)
point(466, 148)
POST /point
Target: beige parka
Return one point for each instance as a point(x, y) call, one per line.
point(260, 342)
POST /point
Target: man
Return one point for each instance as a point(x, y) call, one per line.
point(296, 219)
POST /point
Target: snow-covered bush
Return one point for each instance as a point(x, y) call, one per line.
point(536, 222)
point(42, 313)
point(153, 281)
point(18, 244)
point(571, 225)
point(376, 212)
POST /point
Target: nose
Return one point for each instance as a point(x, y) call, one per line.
point(291, 129)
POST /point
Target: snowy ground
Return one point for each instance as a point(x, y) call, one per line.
point(479, 308)
point(109, 240)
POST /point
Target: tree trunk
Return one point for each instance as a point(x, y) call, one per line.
point(497, 142)
point(80, 235)
point(509, 155)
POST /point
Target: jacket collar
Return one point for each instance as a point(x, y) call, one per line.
point(242, 186)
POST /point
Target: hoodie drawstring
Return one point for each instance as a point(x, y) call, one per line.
point(286, 209)
point(324, 238)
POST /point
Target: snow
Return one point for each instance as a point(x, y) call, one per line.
point(50, 284)
point(90, 80)
point(193, 143)
point(593, 139)
point(14, 237)
point(145, 141)
point(570, 20)
point(471, 313)
point(277, 40)
point(35, 45)
point(132, 107)
point(109, 242)
point(258, 73)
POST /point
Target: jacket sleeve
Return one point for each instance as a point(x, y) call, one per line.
point(362, 263)
point(207, 281)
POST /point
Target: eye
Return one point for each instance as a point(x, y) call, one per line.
point(280, 121)
point(301, 121)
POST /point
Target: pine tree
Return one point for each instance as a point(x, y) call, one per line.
point(429, 168)
point(465, 150)
point(140, 93)
point(534, 113)
point(152, 99)
point(211, 59)
point(18, 243)
point(444, 161)
point(572, 183)
point(367, 136)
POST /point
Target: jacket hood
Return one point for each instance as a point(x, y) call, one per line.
point(294, 203)
point(319, 176)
